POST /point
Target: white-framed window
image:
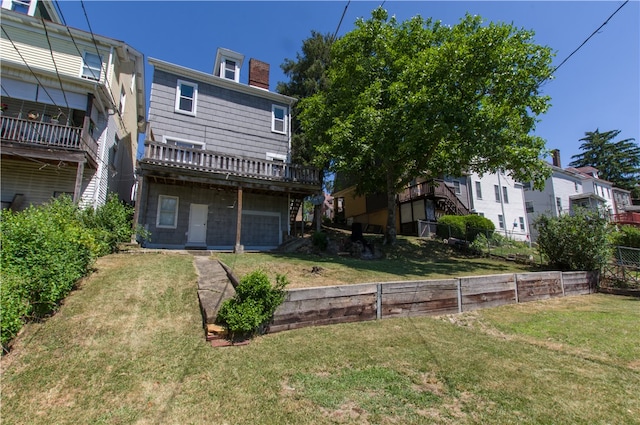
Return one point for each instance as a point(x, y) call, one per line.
point(456, 187)
point(279, 159)
point(123, 100)
point(91, 66)
point(575, 184)
point(505, 198)
point(529, 206)
point(496, 190)
point(478, 190)
point(521, 219)
point(167, 212)
point(186, 97)
point(559, 204)
point(229, 69)
point(279, 119)
point(21, 6)
point(501, 221)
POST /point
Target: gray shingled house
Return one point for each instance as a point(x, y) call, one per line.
point(216, 170)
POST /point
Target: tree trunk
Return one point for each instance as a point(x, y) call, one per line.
point(390, 233)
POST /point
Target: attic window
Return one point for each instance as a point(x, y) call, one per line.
point(21, 6)
point(186, 97)
point(279, 119)
point(229, 69)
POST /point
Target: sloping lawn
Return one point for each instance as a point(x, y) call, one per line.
point(410, 259)
point(128, 348)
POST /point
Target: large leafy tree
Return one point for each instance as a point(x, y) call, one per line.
point(616, 161)
point(418, 98)
point(307, 76)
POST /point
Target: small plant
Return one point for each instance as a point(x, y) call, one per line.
point(320, 240)
point(253, 305)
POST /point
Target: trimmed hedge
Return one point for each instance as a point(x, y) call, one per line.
point(46, 249)
point(464, 227)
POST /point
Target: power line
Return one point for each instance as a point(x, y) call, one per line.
point(335, 34)
point(53, 59)
point(588, 38)
point(28, 67)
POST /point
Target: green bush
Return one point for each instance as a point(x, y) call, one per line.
point(46, 249)
point(574, 242)
point(451, 226)
point(628, 236)
point(478, 225)
point(110, 224)
point(320, 240)
point(253, 305)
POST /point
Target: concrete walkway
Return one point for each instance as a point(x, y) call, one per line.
point(214, 286)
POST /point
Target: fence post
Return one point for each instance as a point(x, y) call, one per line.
point(562, 282)
point(515, 279)
point(459, 295)
point(379, 301)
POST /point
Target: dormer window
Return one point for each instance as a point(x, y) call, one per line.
point(229, 70)
point(21, 6)
point(228, 64)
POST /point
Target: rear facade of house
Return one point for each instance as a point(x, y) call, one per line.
point(216, 170)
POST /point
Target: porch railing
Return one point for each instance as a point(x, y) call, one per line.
point(436, 189)
point(626, 218)
point(210, 161)
point(30, 132)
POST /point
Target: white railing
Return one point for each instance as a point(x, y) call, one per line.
point(205, 160)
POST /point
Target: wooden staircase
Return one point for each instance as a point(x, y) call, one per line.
point(294, 207)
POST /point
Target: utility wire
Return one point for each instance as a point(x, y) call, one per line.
point(53, 59)
point(28, 67)
point(335, 34)
point(588, 38)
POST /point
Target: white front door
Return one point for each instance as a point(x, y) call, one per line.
point(198, 224)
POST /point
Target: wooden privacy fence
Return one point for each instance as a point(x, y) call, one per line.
point(370, 301)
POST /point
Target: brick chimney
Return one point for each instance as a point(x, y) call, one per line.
point(258, 74)
point(555, 154)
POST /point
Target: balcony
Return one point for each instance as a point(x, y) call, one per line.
point(436, 190)
point(207, 161)
point(29, 133)
point(632, 218)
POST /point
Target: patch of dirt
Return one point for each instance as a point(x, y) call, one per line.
point(348, 413)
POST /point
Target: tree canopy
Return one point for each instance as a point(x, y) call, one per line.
point(617, 162)
point(419, 98)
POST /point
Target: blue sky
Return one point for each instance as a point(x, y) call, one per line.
point(597, 88)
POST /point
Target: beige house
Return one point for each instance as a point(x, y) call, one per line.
point(73, 105)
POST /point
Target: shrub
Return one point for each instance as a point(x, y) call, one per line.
point(478, 225)
point(110, 224)
point(574, 242)
point(628, 236)
point(451, 226)
point(320, 240)
point(253, 305)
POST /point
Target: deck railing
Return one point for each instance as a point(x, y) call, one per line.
point(626, 218)
point(30, 132)
point(434, 188)
point(210, 161)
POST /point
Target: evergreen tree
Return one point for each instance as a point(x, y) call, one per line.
point(617, 162)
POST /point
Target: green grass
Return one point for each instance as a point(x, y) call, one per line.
point(410, 259)
point(128, 347)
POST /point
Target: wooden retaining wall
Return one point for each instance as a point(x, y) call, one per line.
point(354, 303)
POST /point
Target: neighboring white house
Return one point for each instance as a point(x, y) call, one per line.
point(73, 105)
point(565, 190)
point(500, 199)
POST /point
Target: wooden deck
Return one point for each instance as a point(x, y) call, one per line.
point(631, 218)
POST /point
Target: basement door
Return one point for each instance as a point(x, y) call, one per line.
point(198, 224)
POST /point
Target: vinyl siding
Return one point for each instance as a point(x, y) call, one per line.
point(37, 181)
point(34, 48)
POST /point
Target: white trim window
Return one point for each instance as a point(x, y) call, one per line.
point(186, 156)
point(505, 197)
point(478, 190)
point(229, 70)
point(91, 66)
point(167, 217)
point(186, 97)
point(501, 221)
point(279, 119)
